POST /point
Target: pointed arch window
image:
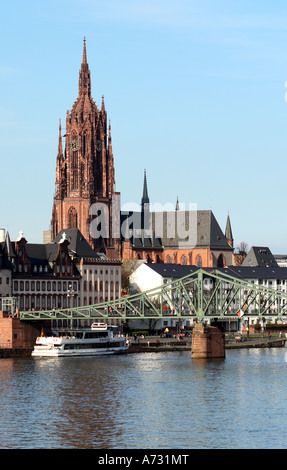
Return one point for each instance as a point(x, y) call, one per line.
point(221, 263)
point(72, 218)
point(183, 260)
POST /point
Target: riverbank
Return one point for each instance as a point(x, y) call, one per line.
point(164, 344)
point(156, 344)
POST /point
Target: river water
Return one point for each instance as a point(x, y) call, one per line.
point(145, 401)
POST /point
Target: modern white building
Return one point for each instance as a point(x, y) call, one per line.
point(152, 275)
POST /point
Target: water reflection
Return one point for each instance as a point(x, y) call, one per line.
point(162, 400)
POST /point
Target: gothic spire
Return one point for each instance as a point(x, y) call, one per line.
point(84, 61)
point(103, 105)
point(84, 75)
point(60, 147)
point(228, 232)
point(145, 198)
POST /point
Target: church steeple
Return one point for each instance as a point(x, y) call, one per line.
point(85, 171)
point(228, 232)
point(145, 198)
point(84, 75)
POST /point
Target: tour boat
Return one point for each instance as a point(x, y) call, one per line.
point(96, 341)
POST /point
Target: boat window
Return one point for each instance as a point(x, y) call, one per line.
point(96, 334)
point(93, 345)
point(70, 334)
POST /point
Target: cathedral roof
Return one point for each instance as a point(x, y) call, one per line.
point(168, 229)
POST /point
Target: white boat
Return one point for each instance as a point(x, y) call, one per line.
point(96, 341)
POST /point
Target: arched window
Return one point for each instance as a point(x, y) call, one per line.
point(199, 261)
point(72, 218)
point(221, 261)
point(183, 260)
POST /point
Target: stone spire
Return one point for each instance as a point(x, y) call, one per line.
point(60, 147)
point(85, 172)
point(228, 232)
point(145, 198)
point(84, 75)
point(111, 168)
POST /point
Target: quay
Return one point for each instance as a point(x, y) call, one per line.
point(156, 344)
point(153, 345)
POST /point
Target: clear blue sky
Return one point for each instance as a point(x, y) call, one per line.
point(195, 91)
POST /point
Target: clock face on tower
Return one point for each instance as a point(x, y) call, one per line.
point(74, 145)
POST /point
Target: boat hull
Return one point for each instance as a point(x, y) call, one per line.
point(82, 352)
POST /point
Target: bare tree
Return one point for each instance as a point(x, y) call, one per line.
point(128, 267)
point(240, 253)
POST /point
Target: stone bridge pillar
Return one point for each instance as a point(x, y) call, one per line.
point(208, 342)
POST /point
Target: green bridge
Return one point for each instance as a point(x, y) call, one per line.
point(203, 294)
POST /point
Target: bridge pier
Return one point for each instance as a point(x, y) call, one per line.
point(208, 342)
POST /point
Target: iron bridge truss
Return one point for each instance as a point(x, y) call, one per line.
point(200, 295)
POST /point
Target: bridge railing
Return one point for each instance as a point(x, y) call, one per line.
point(199, 295)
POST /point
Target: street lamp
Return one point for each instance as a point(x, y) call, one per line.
point(70, 295)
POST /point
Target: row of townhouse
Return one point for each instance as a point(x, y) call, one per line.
point(62, 274)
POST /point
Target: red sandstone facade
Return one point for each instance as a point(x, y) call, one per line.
point(85, 170)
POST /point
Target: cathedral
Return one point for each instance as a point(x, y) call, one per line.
point(85, 199)
point(85, 175)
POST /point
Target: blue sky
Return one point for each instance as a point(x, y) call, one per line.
point(195, 91)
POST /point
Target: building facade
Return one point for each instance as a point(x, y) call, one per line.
point(6, 266)
point(150, 276)
point(44, 275)
point(63, 274)
point(85, 175)
point(187, 237)
point(100, 277)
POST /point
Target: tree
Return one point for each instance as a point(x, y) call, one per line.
point(128, 267)
point(240, 253)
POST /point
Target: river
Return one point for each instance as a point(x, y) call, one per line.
point(145, 401)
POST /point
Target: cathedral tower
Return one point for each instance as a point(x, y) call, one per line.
point(85, 169)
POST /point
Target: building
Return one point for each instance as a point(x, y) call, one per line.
point(150, 276)
point(85, 175)
point(65, 273)
point(281, 260)
point(85, 198)
point(44, 275)
point(6, 266)
point(100, 277)
point(191, 237)
point(260, 256)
